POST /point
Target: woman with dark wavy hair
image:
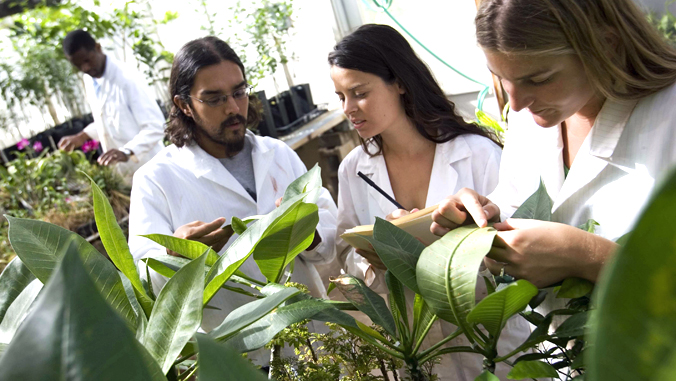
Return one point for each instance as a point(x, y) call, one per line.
point(414, 145)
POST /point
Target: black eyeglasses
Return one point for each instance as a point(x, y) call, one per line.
point(223, 99)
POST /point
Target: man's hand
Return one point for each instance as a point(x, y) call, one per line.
point(454, 210)
point(69, 143)
point(373, 258)
point(209, 234)
point(112, 156)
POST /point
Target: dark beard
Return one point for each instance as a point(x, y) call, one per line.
point(232, 144)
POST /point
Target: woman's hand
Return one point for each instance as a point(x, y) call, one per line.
point(547, 252)
point(454, 210)
point(399, 213)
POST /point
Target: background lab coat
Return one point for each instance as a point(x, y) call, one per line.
point(182, 185)
point(468, 161)
point(126, 115)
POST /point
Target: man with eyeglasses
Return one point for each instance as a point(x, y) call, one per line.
point(217, 169)
point(127, 120)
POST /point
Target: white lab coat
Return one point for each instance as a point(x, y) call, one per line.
point(468, 161)
point(628, 150)
point(182, 185)
point(125, 115)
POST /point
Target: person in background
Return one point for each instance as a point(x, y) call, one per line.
point(127, 120)
point(592, 89)
point(217, 168)
point(416, 147)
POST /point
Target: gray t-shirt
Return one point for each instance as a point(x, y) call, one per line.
point(241, 167)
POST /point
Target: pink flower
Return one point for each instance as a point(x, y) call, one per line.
point(22, 144)
point(90, 145)
point(37, 146)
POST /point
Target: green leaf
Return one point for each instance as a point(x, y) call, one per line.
point(494, 310)
point(263, 330)
point(245, 245)
point(41, 246)
point(575, 288)
point(330, 288)
point(115, 242)
point(398, 296)
point(537, 207)
point(287, 237)
point(13, 280)
point(185, 247)
point(634, 335)
point(531, 369)
point(16, 313)
point(575, 326)
point(447, 272)
point(487, 376)
point(177, 313)
point(309, 182)
point(221, 362)
point(422, 317)
point(71, 331)
point(238, 225)
point(366, 300)
point(251, 312)
point(398, 250)
point(589, 226)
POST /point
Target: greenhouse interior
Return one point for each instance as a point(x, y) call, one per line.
point(360, 190)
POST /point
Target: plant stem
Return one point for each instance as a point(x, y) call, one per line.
point(448, 350)
point(188, 372)
point(383, 370)
point(448, 338)
point(312, 351)
point(483, 336)
point(250, 279)
point(422, 336)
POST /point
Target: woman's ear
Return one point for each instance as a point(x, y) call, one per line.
point(182, 105)
point(400, 87)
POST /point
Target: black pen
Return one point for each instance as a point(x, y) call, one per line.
point(387, 196)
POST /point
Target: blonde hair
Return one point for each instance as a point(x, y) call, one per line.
point(623, 55)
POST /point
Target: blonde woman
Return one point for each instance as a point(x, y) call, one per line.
point(593, 101)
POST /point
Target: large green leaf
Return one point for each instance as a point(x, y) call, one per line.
point(177, 313)
point(397, 299)
point(245, 245)
point(14, 278)
point(287, 237)
point(398, 250)
point(494, 310)
point(41, 245)
point(367, 301)
point(185, 247)
point(536, 207)
point(575, 288)
point(263, 330)
point(531, 369)
point(115, 242)
point(16, 313)
point(634, 335)
point(309, 183)
point(219, 362)
point(73, 334)
point(251, 312)
point(447, 272)
point(575, 326)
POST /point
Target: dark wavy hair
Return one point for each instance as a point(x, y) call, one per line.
point(192, 57)
point(382, 51)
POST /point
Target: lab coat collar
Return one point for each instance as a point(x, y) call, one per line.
point(442, 181)
point(600, 144)
point(202, 164)
point(444, 177)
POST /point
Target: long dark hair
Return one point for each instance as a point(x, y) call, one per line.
point(382, 51)
point(192, 57)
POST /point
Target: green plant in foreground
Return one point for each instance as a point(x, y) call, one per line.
point(156, 333)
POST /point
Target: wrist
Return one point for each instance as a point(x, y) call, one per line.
point(595, 251)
